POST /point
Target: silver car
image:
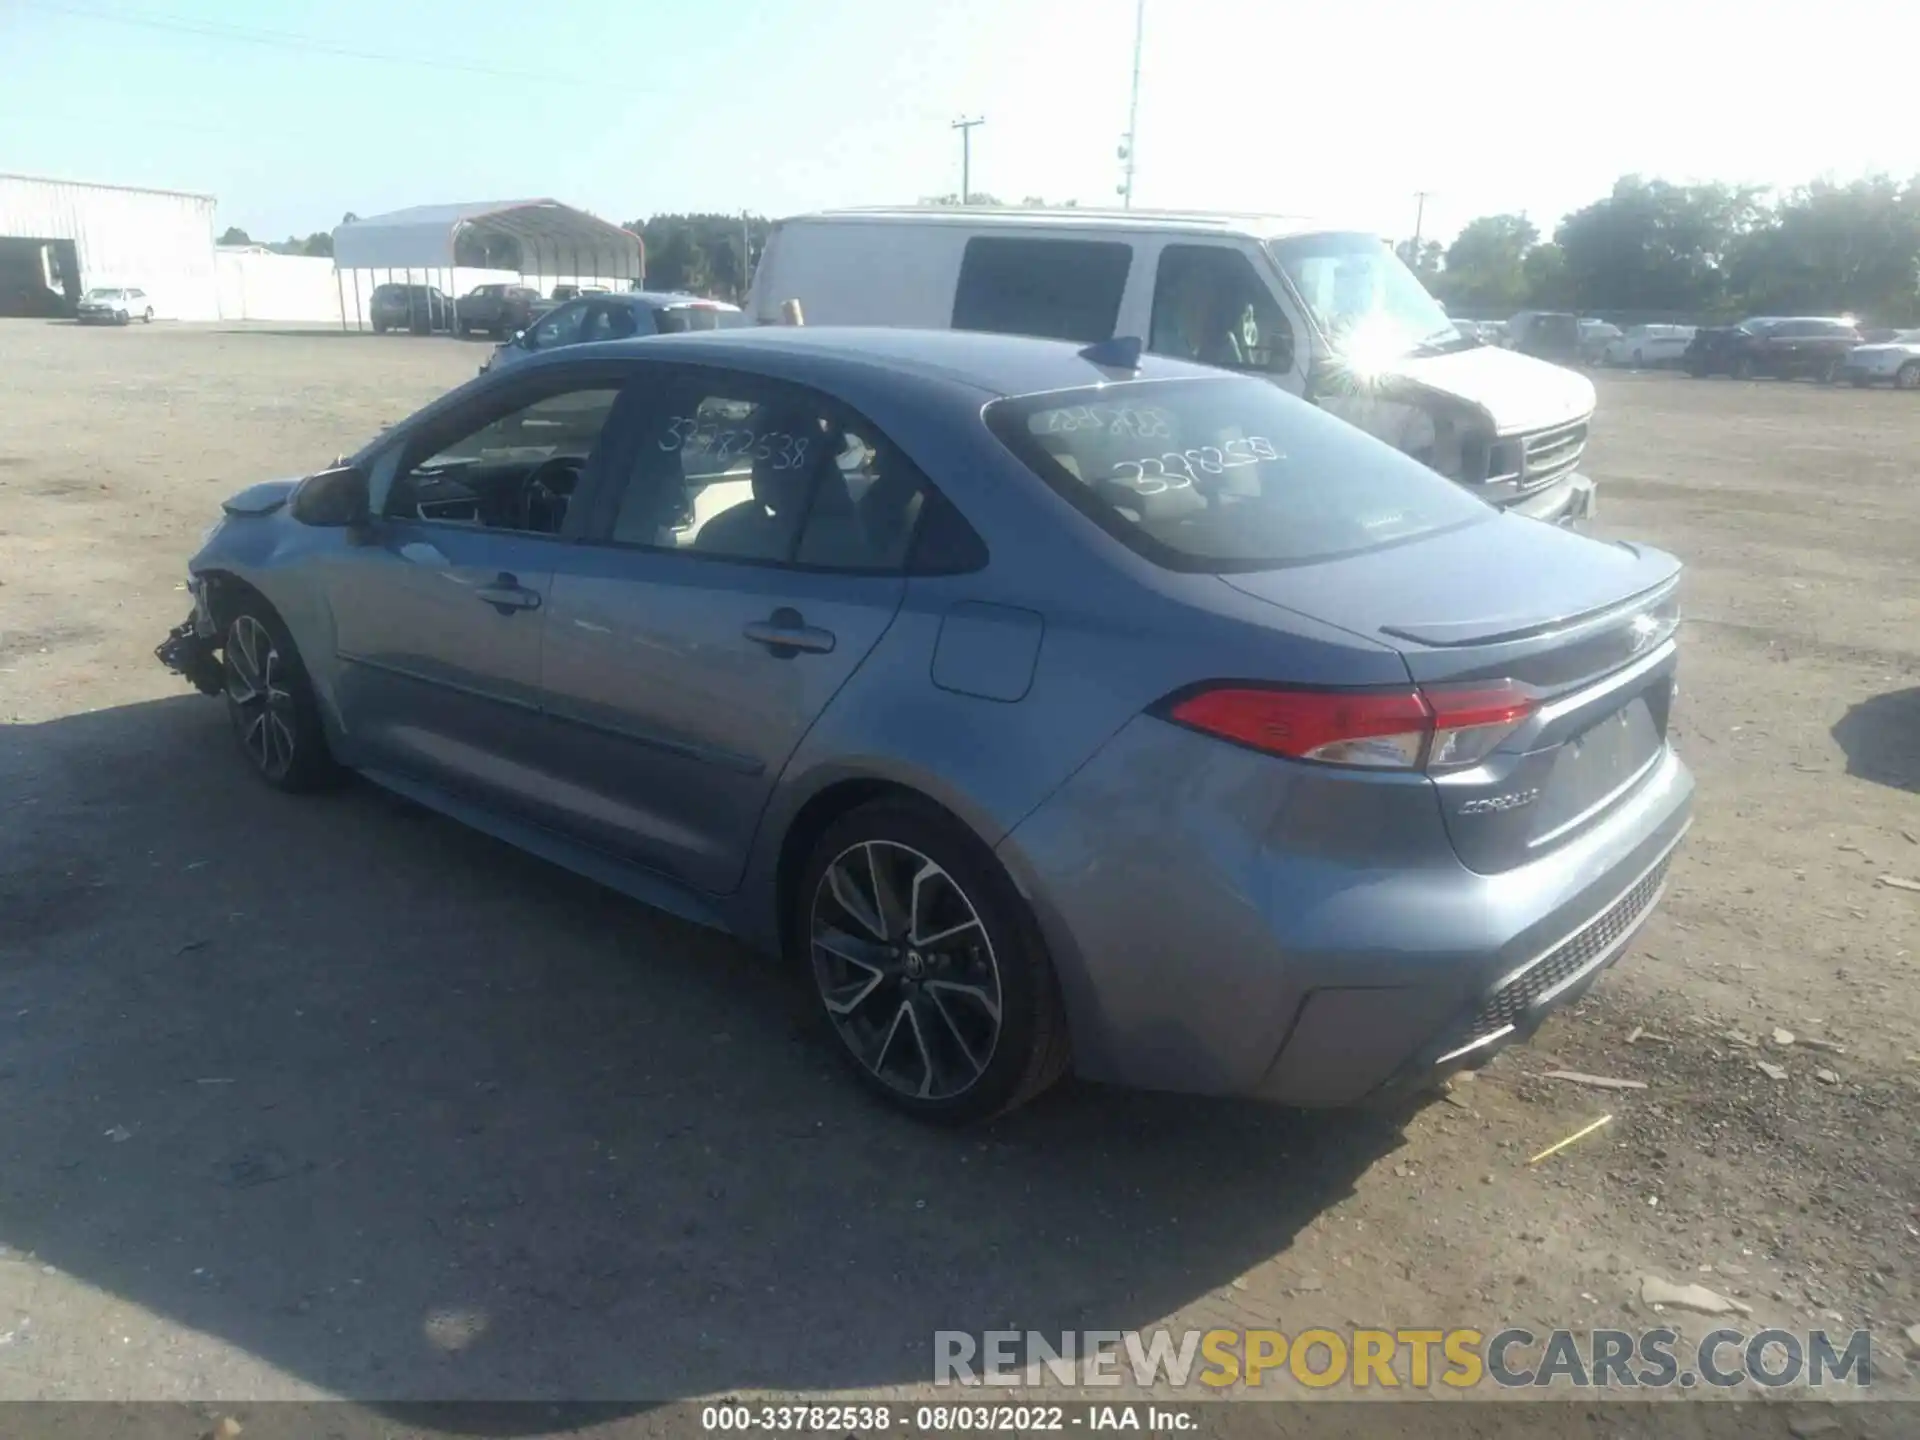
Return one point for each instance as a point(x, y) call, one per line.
point(1051, 708)
point(1894, 361)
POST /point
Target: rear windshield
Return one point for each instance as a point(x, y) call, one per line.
point(1225, 475)
point(678, 319)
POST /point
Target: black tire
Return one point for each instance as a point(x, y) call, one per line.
point(379, 327)
point(1638, 363)
point(270, 702)
point(1907, 377)
point(1830, 372)
point(999, 1035)
point(147, 318)
point(1742, 368)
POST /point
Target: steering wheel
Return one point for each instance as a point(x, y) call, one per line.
point(544, 495)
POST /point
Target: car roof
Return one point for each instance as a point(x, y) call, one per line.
point(662, 298)
point(991, 365)
point(1254, 224)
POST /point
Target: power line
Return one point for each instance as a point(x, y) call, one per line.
point(252, 36)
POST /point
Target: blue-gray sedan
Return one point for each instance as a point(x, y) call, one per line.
point(1052, 708)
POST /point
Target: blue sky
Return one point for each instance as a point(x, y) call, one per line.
point(632, 107)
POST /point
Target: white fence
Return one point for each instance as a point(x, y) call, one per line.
point(256, 284)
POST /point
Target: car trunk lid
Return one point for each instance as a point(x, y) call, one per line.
point(1587, 628)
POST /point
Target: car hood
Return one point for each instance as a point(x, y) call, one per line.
point(262, 499)
point(1515, 392)
point(1888, 347)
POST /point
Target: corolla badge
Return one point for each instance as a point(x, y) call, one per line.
point(1499, 804)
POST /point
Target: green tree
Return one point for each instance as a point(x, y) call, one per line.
point(1655, 246)
point(1545, 272)
point(236, 236)
point(1484, 265)
point(1423, 259)
point(1830, 248)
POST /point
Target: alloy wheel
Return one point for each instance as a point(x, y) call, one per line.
point(906, 969)
point(1908, 376)
point(262, 703)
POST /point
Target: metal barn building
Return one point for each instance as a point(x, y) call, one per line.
point(61, 238)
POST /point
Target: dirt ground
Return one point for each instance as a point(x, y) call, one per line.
point(333, 1097)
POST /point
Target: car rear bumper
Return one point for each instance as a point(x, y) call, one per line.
point(1226, 923)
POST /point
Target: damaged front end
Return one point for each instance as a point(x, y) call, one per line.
point(192, 649)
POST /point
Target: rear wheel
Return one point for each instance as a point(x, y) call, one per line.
point(147, 318)
point(1743, 367)
point(270, 703)
point(1830, 372)
point(1908, 376)
point(928, 965)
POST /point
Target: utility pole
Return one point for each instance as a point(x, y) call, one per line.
point(965, 127)
point(1128, 146)
point(1419, 218)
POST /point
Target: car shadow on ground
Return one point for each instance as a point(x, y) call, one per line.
point(410, 1115)
point(1881, 739)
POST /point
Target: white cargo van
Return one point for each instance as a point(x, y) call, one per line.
point(1329, 314)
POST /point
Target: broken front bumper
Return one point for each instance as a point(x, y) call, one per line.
point(191, 648)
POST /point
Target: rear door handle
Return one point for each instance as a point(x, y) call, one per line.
point(786, 633)
point(506, 594)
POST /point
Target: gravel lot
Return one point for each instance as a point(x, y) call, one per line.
point(332, 1097)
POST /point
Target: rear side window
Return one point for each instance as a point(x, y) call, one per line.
point(679, 319)
point(1225, 475)
point(1058, 289)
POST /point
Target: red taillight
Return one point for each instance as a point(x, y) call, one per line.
point(1438, 728)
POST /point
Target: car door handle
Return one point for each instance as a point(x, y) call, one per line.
point(786, 633)
point(506, 594)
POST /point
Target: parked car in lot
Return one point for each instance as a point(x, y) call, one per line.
point(1595, 336)
point(1048, 707)
point(1546, 335)
point(1894, 361)
point(499, 310)
point(418, 308)
point(601, 315)
point(1786, 348)
point(1648, 347)
point(1323, 312)
point(114, 306)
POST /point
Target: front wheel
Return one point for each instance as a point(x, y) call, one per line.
point(147, 317)
point(1743, 368)
point(271, 705)
point(1830, 373)
point(928, 965)
point(1907, 377)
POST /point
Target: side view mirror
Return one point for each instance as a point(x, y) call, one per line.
point(333, 499)
point(520, 339)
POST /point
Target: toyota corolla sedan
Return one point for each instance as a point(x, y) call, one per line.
point(1049, 708)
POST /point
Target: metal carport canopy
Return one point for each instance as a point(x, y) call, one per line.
point(422, 237)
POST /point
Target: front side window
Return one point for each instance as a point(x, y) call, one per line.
point(1212, 307)
point(1361, 294)
point(1228, 474)
point(680, 319)
point(1056, 289)
point(562, 327)
point(608, 322)
point(738, 469)
point(515, 469)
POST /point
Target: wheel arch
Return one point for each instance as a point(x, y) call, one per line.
point(817, 813)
